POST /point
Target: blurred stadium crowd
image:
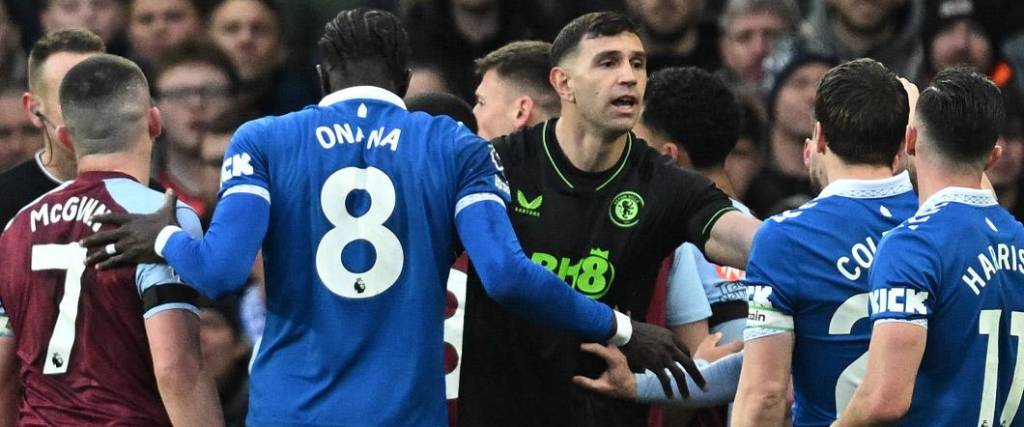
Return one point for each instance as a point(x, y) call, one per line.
point(215, 64)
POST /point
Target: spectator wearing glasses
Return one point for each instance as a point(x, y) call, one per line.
point(50, 59)
point(195, 83)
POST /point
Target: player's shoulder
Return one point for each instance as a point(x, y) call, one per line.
point(135, 197)
point(523, 144)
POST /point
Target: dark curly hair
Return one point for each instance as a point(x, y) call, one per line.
point(366, 36)
point(696, 111)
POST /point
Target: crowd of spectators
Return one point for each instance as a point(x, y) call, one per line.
point(214, 64)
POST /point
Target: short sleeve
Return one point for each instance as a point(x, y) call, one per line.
point(480, 175)
point(687, 300)
point(245, 170)
point(159, 285)
point(904, 278)
point(770, 297)
point(698, 205)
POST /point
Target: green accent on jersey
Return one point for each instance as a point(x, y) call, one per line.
point(527, 207)
point(622, 164)
point(707, 227)
point(592, 275)
point(625, 209)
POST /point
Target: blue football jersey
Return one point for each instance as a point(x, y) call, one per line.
point(808, 274)
point(957, 268)
point(363, 196)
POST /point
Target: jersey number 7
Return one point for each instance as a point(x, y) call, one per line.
point(71, 258)
point(988, 324)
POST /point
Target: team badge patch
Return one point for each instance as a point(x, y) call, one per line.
point(625, 209)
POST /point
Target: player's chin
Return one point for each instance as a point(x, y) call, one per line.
point(620, 122)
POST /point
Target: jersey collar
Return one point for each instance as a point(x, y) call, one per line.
point(869, 188)
point(967, 196)
point(362, 92)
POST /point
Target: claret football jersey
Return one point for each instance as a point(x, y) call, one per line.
point(80, 333)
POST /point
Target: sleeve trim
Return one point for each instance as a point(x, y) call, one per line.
point(471, 199)
point(255, 190)
point(705, 232)
point(753, 333)
point(170, 306)
point(919, 322)
point(162, 238)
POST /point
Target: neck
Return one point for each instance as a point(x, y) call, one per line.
point(477, 25)
point(858, 42)
point(58, 162)
point(1007, 195)
point(133, 163)
point(718, 175)
point(931, 180)
point(184, 169)
point(586, 148)
point(787, 153)
point(685, 44)
point(836, 169)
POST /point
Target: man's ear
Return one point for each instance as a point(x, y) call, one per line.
point(911, 140)
point(559, 79)
point(64, 137)
point(154, 123)
point(31, 105)
point(997, 153)
point(524, 111)
point(820, 144)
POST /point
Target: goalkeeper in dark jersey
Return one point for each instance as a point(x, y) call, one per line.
point(599, 208)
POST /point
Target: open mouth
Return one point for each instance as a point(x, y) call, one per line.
point(626, 101)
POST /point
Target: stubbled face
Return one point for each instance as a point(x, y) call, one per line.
point(794, 106)
point(248, 32)
point(19, 139)
point(103, 17)
point(961, 44)
point(607, 77)
point(495, 109)
point(211, 155)
point(157, 25)
point(748, 41)
point(865, 16)
point(189, 96)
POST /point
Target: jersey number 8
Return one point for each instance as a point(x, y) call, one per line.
point(368, 227)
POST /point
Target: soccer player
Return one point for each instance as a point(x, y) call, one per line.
point(946, 298)
point(119, 346)
point(514, 92)
point(808, 270)
point(600, 208)
point(50, 59)
point(355, 202)
point(702, 297)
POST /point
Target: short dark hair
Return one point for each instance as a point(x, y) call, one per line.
point(100, 98)
point(527, 64)
point(444, 104)
point(863, 110)
point(365, 34)
point(696, 110)
point(197, 50)
point(591, 25)
point(962, 111)
point(69, 40)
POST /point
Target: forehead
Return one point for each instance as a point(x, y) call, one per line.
point(812, 70)
point(624, 43)
point(57, 65)
point(756, 19)
point(155, 6)
point(242, 10)
point(192, 72)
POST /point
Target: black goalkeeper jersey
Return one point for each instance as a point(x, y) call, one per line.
point(606, 235)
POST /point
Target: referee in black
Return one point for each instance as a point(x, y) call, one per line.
point(601, 209)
